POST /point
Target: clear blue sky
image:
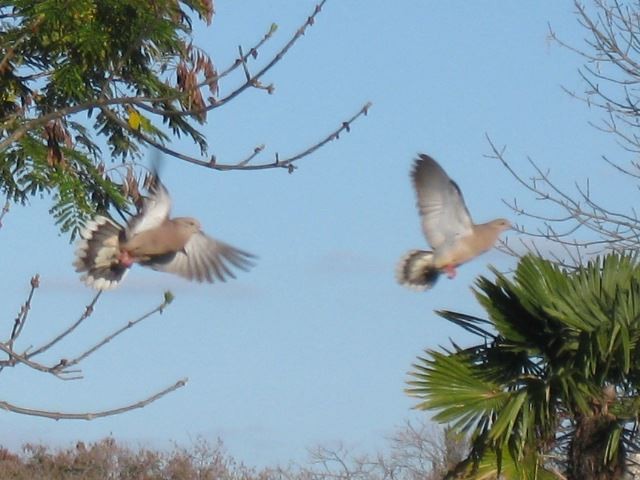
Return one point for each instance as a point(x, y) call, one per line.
point(313, 345)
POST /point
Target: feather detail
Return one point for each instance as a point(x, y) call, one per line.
point(203, 259)
point(97, 254)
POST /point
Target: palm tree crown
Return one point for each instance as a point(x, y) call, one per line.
point(551, 391)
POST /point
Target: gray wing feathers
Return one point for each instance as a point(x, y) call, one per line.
point(444, 214)
point(156, 208)
point(203, 259)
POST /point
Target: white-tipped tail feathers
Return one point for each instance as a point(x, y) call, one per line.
point(416, 270)
point(97, 254)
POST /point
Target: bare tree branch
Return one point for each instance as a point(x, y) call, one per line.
point(92, 415)
point(63, 368)
point(573, 225)
point(287, 163)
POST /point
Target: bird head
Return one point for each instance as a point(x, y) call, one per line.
point(189, 224)
point(501, 224)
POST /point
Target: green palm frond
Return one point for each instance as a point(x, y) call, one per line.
point(451, 384)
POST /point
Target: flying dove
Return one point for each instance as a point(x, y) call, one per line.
point(448, 227)
point(106, 250)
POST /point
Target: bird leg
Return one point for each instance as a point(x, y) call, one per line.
point(125, 258)
point(450, 270)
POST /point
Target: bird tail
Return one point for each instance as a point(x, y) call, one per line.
point(417, 271)
point(97, 254)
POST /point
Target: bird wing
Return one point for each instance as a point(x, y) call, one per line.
point(445, 217)
point(155, 209)
point(202, 259)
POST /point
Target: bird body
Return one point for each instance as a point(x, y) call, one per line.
point(170, 236)
point(107, 250)
point(447, 226)
point(482, 239)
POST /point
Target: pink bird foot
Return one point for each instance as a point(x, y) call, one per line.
point(125, 259)
point(450, 270)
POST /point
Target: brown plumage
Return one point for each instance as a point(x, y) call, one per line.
point(107, 250)
point(448, 227)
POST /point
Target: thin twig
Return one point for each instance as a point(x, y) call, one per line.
point(287, 162)
point(613, 230)
point(21, 318)
point(254, 78)
point(86, 314)
point(59, 370)
point(159, 309)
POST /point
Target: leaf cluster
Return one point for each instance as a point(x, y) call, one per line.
point(78, 77)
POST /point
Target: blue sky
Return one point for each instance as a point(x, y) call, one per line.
point(313, 345)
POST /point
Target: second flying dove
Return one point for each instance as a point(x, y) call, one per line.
point(448, 227)
point(107, 250)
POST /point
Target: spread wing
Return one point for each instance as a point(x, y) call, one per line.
point(155, 209)
point(203, 259)
point(445, 217)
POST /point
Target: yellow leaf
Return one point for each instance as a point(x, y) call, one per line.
point(134, 119)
